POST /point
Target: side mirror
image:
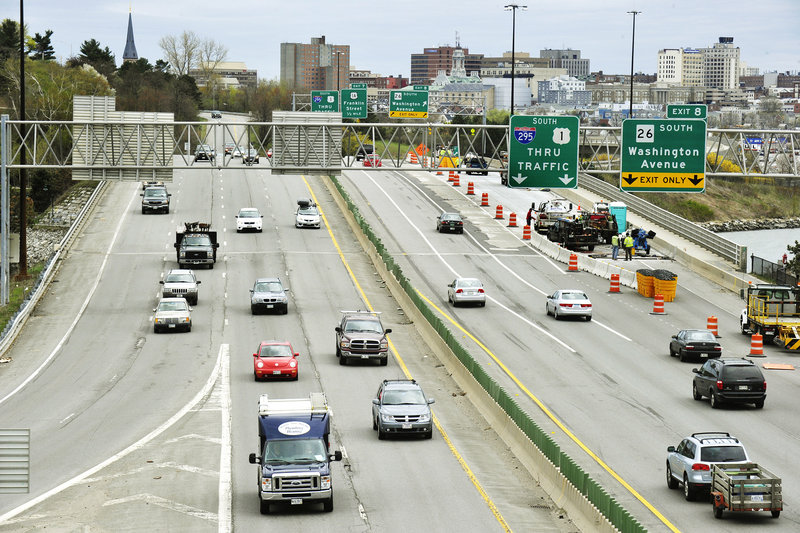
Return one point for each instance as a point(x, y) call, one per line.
point(297, 354)
point(237, 216)
point(337, 456)
point(376, 401)
point(198, 282)
point(431, 400)
point(675, 337)
point(154, 310)
point(696, 370)
point(337, 329)
point(161, 282)
point(670, 448)
point(141, 194)
point(253, 459)
point(387, 331)
point(251, 291)
point(255, 355)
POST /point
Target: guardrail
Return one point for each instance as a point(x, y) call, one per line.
point(709, 240)
point(14, 326)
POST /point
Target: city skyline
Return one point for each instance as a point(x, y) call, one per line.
point(385, 36)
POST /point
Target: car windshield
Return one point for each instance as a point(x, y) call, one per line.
point(172, 306)
point(197, 240)
point(700, 336)
point(294, 451)
point(179, 278)
point(275, 350)
point(573, 296)
point(403, 397)
point(307, 211)
point(368, 326)
point(155, 193)
point(268, 286)
point(249, 213)
point(722, 454)
point(204, 148)
point(468, 283)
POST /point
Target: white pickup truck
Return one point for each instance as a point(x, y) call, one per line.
point(551, 210)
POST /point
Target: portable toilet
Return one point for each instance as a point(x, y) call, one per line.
point(620, 212)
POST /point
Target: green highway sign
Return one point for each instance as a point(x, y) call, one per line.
point(543, 152)
point(408, 104)
point(687, 111)
point(358, 85)
point(420, 87)
point(325, 101)
point(663, 155)
point(354, 103)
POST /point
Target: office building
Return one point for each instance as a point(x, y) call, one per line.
point(567, 59)
point(315, 66)
point(721, 65)
point(680, 66)
point(564, 90)
point(426, 66)
point(230, 74)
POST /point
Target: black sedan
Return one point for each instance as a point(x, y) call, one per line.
point(449, 222)
point(476, 165)
point(694, 343)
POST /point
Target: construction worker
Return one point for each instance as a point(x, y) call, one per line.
point(614, 247)
point(628, 244)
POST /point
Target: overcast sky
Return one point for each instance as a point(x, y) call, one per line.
point(382, 34)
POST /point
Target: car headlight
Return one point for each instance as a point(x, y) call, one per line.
point(425, 418)
point(183, 253)
point(186, 319)
point(266, 484)
point(283, 299)
point(384, 344)
point(387, 418)
point(159, 320)
point(293, 364)
point(260, 364)
point(325, 482)
point(344, 343)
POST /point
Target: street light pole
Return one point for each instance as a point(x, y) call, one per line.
point(633, 37)
point(513, 8)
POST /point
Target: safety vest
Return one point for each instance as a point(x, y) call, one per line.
point(628, 242)
point(615, 240)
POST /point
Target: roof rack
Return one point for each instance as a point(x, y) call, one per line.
point(413, 381)
point(314, 404)
point(713, 435)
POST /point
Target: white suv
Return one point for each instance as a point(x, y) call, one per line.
point(690, 463)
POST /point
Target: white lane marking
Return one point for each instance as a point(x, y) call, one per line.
point(225, 522)
point(152, 499)
point(78, 316)
point(343, 450)
point(226, 320)
point(66, 418)
point(362, 512)
point(202, 393)
point(195, 436)
point(424, 238)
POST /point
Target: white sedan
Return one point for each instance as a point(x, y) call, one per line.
point(248, 219)
point(569, 302)
point(307, 215)
point(466, 290)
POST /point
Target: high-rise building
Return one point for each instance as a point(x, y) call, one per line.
point(567, 59)
point(426, 66)
point(721, 65)
point(680, 66)
point(315, 66)
point(130, 47)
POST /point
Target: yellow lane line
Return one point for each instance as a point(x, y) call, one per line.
point(551, 416)
point(407, 373)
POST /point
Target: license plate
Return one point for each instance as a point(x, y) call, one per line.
point(576, 306)
point(297, 501)
point(406, 426)
point(364, 356)
point(703, 355)
point(276, 372)
point(743, 387)
point(172, 325)
point(269, 306)
point(757, 498)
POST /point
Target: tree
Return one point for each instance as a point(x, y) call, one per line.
point(181, 51)
point(793, 264)
point(40, 47)
point(102, 59)
point(9, 39)
point(211, 54)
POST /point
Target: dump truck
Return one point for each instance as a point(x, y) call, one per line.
point(774, 312)
point(294, 457)
point(574, 234)
point(196, 244)
point(745, 487)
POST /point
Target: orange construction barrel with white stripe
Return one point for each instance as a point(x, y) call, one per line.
point(526, 233)
point(573, 263)
point(757, 345)
point(456, 182)
point(512, 220)
point(485, 199)
point(451, 176)
point(712, 325)
point(658, 305)
point(614, 283)
point(470, 188)
point(498, 214)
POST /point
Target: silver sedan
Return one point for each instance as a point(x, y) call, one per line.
point(569, 302)
point(466, 290)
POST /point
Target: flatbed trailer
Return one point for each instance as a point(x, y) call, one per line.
point(773, 311)
point(745, 487)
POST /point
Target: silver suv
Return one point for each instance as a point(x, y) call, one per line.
point(401, 407)
point(690, 463)
point(180, 283)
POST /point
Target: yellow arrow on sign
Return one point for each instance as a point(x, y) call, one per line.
point(663, 181)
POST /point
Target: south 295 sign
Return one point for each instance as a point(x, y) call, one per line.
point(543, 152)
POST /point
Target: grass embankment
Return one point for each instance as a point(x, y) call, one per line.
point(17, 290)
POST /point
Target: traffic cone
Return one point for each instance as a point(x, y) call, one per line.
point(757, 345)
point(573, 263)
point(526, 233)
point(658, 305)
point(512, 220)
point(614, 283)
point(712, 325)
point(485, 199)
point(451, 176)
point(470, 189)
point(456, 182)
point(498, 214)
point(439, 173)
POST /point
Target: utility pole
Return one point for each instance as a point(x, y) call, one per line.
point(633, 38)
point(23, 172)
point(513, 8)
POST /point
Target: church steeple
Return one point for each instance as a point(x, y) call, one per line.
point(130, 47)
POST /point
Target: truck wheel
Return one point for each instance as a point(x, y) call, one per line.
point(776, 514)
point(285, 309)
point(343, 360)
point(327, 505)
point(253, 310)
point(143, 211)
point(211, 266)
point(264, 506)
point(591, 247)
point(381, 434)
point(384, 361)
point(745, 328)
point(760, 403)
point(428, 434)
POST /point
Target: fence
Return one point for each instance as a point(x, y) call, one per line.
point(774, 272)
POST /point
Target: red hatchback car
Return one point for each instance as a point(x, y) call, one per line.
point(372, 160)
point(275, 359)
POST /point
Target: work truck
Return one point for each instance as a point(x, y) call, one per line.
point(196, 244)
point(574, 233)
point(294, 457)
point(547, 212)
point(774, 312)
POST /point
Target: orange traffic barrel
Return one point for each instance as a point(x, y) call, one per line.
point(658, 305)
point(526, 233)
point(456, 182)
point(498, 214)
point(451, 176)
point(712, 325)
point(512, 220)
point(485, 199)
point(757, 345)
point(614, 283)
point(573, 263)
point(470, 188)
point(439, 173)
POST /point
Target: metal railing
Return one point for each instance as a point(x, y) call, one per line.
point(775, 272)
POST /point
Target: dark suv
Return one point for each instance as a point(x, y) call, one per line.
point(360, 335)
point(729, 380)
point(155, 199)
point(363, 151)
point(401, 407)
point(476, 165)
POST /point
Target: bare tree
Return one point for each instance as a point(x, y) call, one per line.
point(211, 54)
point(182, 51)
